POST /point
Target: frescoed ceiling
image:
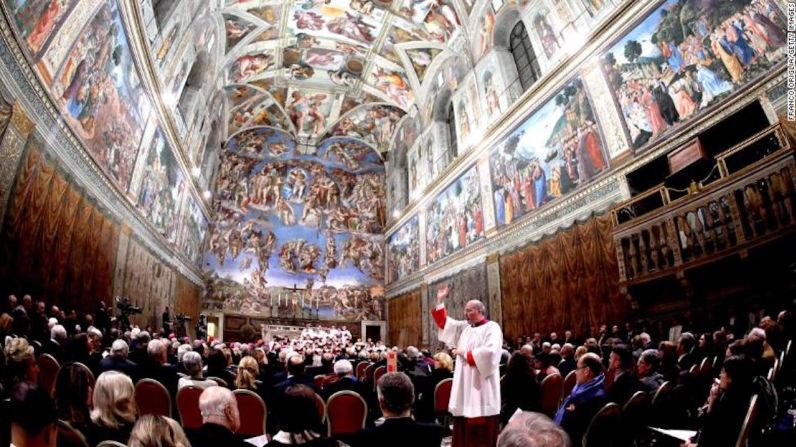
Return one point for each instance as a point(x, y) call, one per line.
point(321, 68)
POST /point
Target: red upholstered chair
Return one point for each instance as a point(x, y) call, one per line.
point(368, 374)
point(346, 412)
point(253, 413)
point(360, 370)
point(605, 428)
point(377, 373)
point(91, 379)
point(748, 423)
point(188, 406)
point(219, 381)
point(48, 371)
point(151, 397)
point(569, 383)
point(552, 386)
point(320, 381)
point(321, 406)
point(442, 396)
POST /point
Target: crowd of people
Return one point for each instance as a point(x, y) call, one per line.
point(287, 372)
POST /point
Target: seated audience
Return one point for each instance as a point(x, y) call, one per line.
point(647, 366)
point(527, 429)
point(585, 400)
point(625, 383)
point(519, 389)
point(21, 363)
point(217, 366)
point(724, 412)
point(117, 361)
point(299, 421)
point(568, 362)
point(55, 345)
point(33, 418)
point(157, 431)
point(156, 367)
point(345, 381)
point(192, 362)
point(442, 369)
point(114, 409)
point(295, 375)
point(247, 374)
point(396, 395)
point(220, 420)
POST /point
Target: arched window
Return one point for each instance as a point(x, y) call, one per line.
point(524, 57)
point(454, 142)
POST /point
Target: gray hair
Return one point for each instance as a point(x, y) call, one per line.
point(652, 358)
point(119, 347)
point(343, 367)
point(479, 306)
point(181, 350)
point(396, 391)
point(192, 362)
point(214, 400)
point(156, 349)
point(529, 429)
point(412, 352)
point(58, 332)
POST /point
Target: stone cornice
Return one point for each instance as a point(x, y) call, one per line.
point(47, 123)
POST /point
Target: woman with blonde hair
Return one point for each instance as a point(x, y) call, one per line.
point(114, 409)
point(248, 371)
point(247, 374)
point(157, 431)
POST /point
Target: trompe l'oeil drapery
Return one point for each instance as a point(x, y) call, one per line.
point(568, 281)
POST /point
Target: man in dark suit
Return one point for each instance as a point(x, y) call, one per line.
point(118, 361)
point(295, 375)
point(344, 381)
point(567, 363)
point(625, 382)
point(327, 362)
point(220, 420)
point(396, 395)
point(156, 367)
point(55, 345)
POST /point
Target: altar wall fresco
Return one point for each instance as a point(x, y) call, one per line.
point(299, 231)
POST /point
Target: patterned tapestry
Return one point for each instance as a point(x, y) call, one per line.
point(469, 284)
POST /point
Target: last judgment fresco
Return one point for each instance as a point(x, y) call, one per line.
point(298, 231)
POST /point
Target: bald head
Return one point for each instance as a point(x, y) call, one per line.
point(474, 311)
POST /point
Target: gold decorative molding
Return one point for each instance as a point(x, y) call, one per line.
point(20, 120)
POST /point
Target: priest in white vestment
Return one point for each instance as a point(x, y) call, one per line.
point(475, 396)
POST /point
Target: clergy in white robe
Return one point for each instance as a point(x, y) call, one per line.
point(475, 395)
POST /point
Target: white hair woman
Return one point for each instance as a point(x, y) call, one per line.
point(114, 409)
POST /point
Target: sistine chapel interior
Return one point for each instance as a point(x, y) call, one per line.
point(268, 163)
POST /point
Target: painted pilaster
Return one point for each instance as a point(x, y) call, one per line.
point(493, 288)
point(12, 145)
point(605, 111)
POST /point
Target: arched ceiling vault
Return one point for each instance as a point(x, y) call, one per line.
point(324, 68)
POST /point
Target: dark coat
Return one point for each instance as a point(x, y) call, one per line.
point(623, 388)
point(213, 435)
point(345, 384)
point(398, 432)
point(115, 363)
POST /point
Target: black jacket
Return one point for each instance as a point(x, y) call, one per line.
point(398, 432)
point(115, 363)
point(623, 388)
point(213, 435)
point(345, 384)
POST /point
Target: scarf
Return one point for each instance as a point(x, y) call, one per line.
point(582, 392)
